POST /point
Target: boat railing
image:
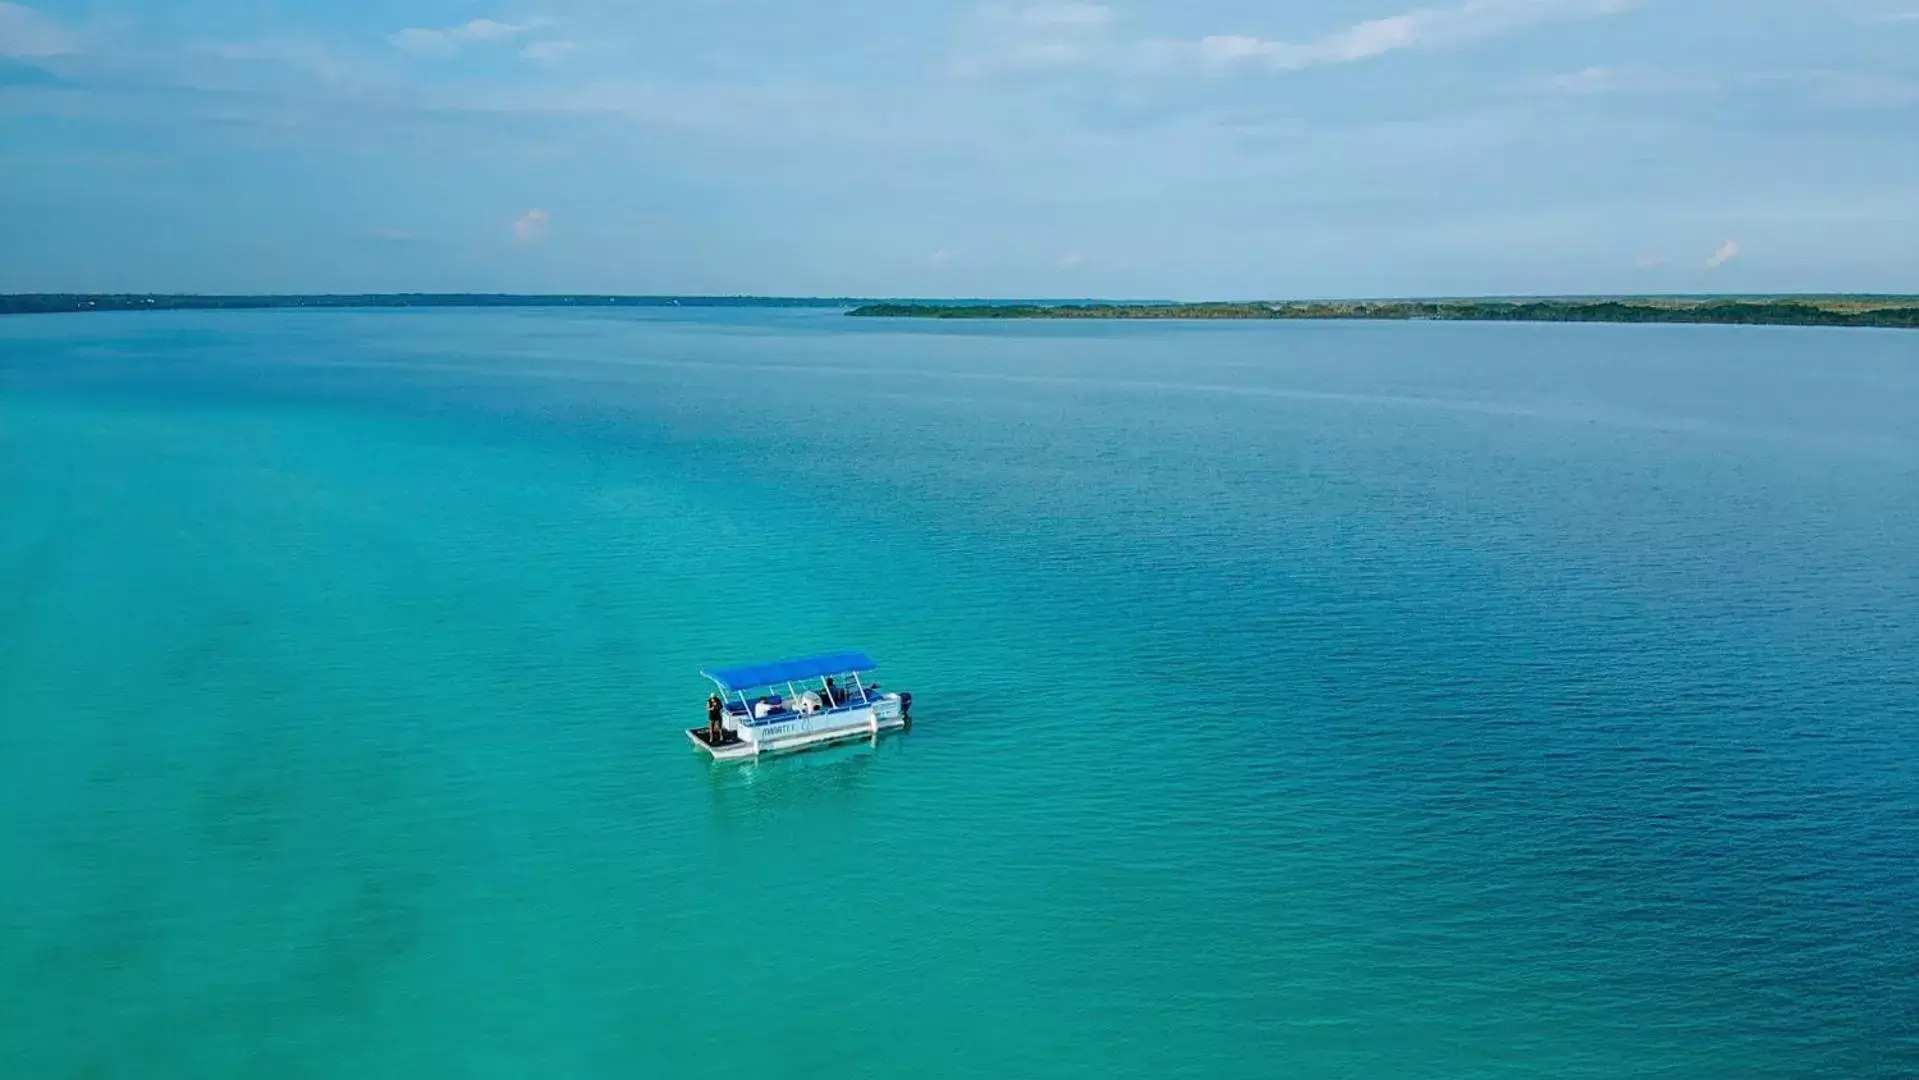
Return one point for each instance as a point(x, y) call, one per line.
point(743, 705)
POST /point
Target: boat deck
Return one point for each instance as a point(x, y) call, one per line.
point(731, 747)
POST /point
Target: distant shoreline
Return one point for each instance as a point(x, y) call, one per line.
point(53, 303)
point(1894, 312)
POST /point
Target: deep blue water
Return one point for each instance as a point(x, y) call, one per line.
point(1315, 700)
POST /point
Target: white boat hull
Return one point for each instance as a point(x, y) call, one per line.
point(788, 732)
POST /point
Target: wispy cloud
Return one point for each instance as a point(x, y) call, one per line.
point(1895, 17)
point(1062, 35)
point(26, 32)
point(1424, 28)
point(1651, 262)
point(452, 39)
point(1592, 80)
point(1066, 15)
point(1836, 89)
point(1727, 252)
point(1009, 39)
point(531, 227)
point(1613, 80)
point(941, 258)
point(267, 62)
point(550, 52)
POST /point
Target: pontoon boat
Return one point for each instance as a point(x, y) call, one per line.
point(794, 704)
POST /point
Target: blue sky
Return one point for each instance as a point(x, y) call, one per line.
point(1200, 149)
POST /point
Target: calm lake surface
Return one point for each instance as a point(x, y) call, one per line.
point(1304, 700)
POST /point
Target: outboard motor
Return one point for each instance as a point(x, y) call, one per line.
point(906, 705)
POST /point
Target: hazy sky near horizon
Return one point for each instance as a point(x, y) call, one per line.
point(1207, 148)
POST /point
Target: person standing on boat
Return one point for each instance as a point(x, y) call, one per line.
point(715, 731)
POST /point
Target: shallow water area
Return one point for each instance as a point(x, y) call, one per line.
point(1319, 700)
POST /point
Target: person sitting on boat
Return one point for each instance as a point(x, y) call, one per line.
point(715, 730)
point(834, 695)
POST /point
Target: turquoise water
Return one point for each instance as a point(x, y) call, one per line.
point(1347, 700)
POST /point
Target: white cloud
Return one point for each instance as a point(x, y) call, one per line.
point(1611, 80)
point(1081, 34)
point(1067, 15)
point(1727, 252)
point(1222, 49)
point(1651, 262)
point(1072, 259)
point(550, 52)
point(26, 32)
point(487, 30)
point(530, 227)
point(449, 41)
point(276, 61)
point(1045, 54)
point(1592, 80)
point(1838, 89)
point(1043, 36)
point(1424, 28)
point(1896, 17)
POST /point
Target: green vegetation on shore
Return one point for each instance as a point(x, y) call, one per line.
point(1880, 311)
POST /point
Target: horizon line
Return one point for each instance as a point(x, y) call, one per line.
point(836, 299)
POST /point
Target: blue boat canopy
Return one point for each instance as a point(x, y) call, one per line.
point(749, 676)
